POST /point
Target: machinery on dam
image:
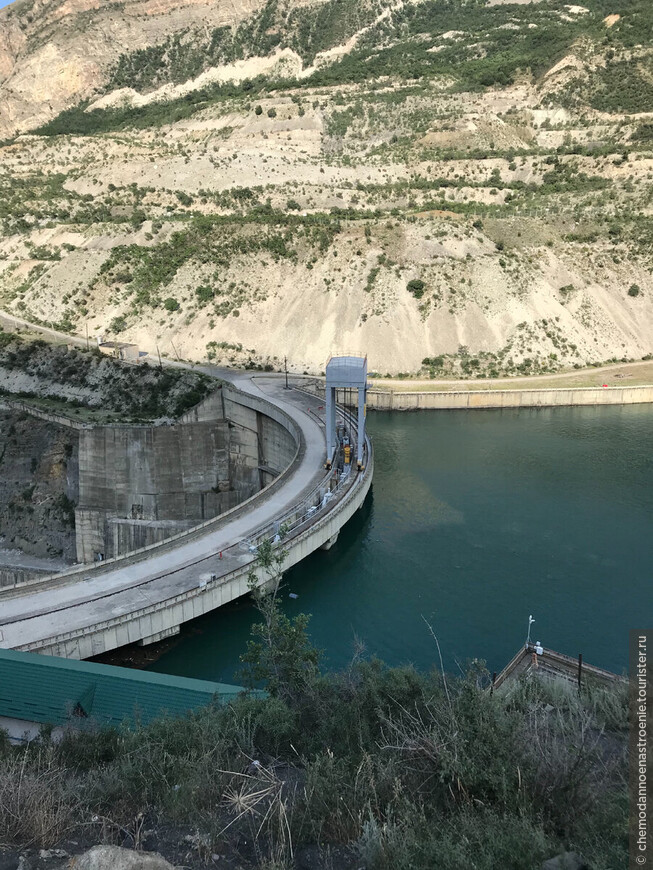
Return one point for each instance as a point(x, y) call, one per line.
point(146, 594)
point(345, 373)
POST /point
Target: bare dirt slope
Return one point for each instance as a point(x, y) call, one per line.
point(436, 222)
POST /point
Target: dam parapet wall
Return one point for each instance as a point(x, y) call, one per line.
point(390, 400)
point(475, 399)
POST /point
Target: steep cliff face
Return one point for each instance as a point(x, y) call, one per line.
point(54, 53)
point(38, 486)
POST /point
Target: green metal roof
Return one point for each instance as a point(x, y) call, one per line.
point(46, 689)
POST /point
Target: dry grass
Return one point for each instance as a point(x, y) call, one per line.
point(38, 804)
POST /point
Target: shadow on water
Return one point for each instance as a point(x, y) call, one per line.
point(477, 518)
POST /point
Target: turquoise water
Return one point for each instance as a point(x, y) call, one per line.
point(475, 520)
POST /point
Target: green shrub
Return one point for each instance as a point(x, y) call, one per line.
point(205, 293)
point(118, 324)
point(416, 287)
point(566, 291)
point(171, 304)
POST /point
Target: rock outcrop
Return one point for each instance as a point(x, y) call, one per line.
point(115, 858)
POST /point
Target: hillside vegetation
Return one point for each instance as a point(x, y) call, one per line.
point(453, 187)
point(375, 768)
point(94, 387)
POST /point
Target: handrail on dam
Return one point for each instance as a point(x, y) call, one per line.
point(310, 507)
point(314, 502)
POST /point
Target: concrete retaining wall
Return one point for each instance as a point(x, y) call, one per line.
point(128, 535)
point(10, 576)
point(259, 404)
point(391, 401)
point(146, 474)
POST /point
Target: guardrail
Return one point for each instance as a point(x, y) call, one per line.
point(318, 499)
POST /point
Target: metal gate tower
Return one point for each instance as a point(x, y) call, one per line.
point(348, 373)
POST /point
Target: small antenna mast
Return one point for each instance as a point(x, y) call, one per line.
point(530, 622)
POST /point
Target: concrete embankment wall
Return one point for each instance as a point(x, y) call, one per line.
point(394, 401)
point(390, 400)
point(157, 473)
point(262, 405)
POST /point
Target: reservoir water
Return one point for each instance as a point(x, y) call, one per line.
point(476, 519)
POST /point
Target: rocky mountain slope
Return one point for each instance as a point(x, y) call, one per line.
point(38, 479)
point(55, 52)
point(67, 381)
point(453, 187)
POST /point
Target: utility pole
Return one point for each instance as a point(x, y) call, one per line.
point(285, 365)
point(159, 355)
point(87, 345)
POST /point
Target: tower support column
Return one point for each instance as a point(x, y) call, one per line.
point(330, 423)
point(345, 373)
point(362, 400)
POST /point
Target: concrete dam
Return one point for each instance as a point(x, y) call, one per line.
point(170, 517)
point(141, 485)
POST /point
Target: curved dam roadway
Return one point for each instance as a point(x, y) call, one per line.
point(145, 597)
